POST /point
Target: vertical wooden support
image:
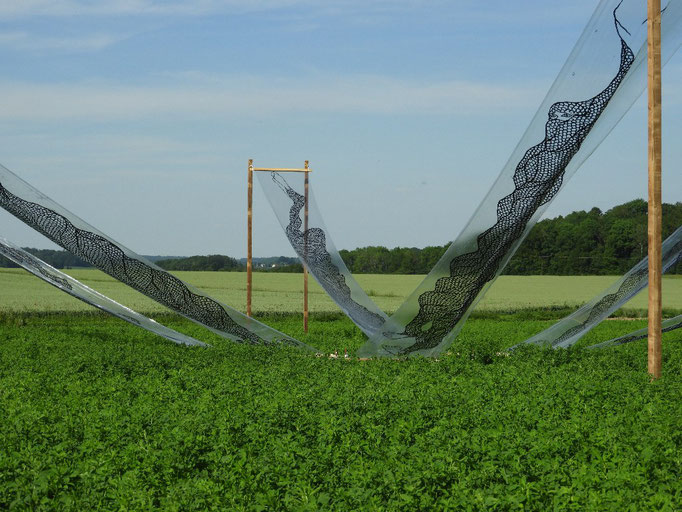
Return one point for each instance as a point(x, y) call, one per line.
point(654, 228)
point(249, 250)
point(249, 240)
point(305, 250)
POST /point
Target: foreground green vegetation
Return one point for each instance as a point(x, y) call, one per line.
point(100, 415)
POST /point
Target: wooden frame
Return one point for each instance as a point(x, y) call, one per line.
point(249, 235)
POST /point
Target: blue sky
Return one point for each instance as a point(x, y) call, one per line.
point(140, 116)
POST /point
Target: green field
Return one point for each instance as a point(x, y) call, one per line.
point(20, 291)
point(96, 414)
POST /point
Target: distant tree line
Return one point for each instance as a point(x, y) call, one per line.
point(58, 259)
point(399, 260)
point(213, 262)
point(219, 262)
point(593, 242)
point(580, 243)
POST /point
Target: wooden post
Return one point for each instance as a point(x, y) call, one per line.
point(249, 253)
point(249, 241)
point(305, 250)
point(654, 228)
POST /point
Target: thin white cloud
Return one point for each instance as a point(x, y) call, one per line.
point(24, 8)
point(221, 97)
point(46, 8)
point(495, 11)
point(21, 40)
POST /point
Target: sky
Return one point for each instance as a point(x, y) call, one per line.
point(140, 116)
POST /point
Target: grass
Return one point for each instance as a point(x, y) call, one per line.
point(98, 414)
point(20, 291)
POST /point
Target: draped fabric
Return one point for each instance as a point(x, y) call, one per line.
point(316, 249)
point(667, 325)
point(76, 289)
point(603, 76)
point(75, 235)
point(569, 330)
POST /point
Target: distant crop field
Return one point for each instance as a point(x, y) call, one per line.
point(20, 291)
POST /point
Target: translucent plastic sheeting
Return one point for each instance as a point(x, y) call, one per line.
point(668, 325)
point(569, 330)
point(316, 249)
point(75, 288)
point(77, 236)
point(603, 76)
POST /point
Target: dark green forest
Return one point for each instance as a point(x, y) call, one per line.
point(213, 262)
point(593, 242)
point(581, 243)
point(58, 259)
point(219, 262)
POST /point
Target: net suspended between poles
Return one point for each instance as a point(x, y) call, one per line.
point(80, 238)
point(76, 289)
point(569, 330)
point(435, 312)
point(317, 251)
point(564, 333)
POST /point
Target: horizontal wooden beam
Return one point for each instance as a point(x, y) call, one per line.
point(256, 169)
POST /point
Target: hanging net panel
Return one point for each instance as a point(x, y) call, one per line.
point(78, 237)
point(76, 289)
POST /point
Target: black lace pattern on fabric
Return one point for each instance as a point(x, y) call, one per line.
point(108, 257)
point(631, 285)
point(635, 337)
point(311, 247)
point(27, 260)
point(537, 178)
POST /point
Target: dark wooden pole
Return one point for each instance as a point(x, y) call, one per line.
point(305, 250)
point(249, 241)
point(654, 228)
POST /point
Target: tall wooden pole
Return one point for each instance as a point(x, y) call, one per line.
point(249, 241)
point(305, 250)
point(654, 76)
